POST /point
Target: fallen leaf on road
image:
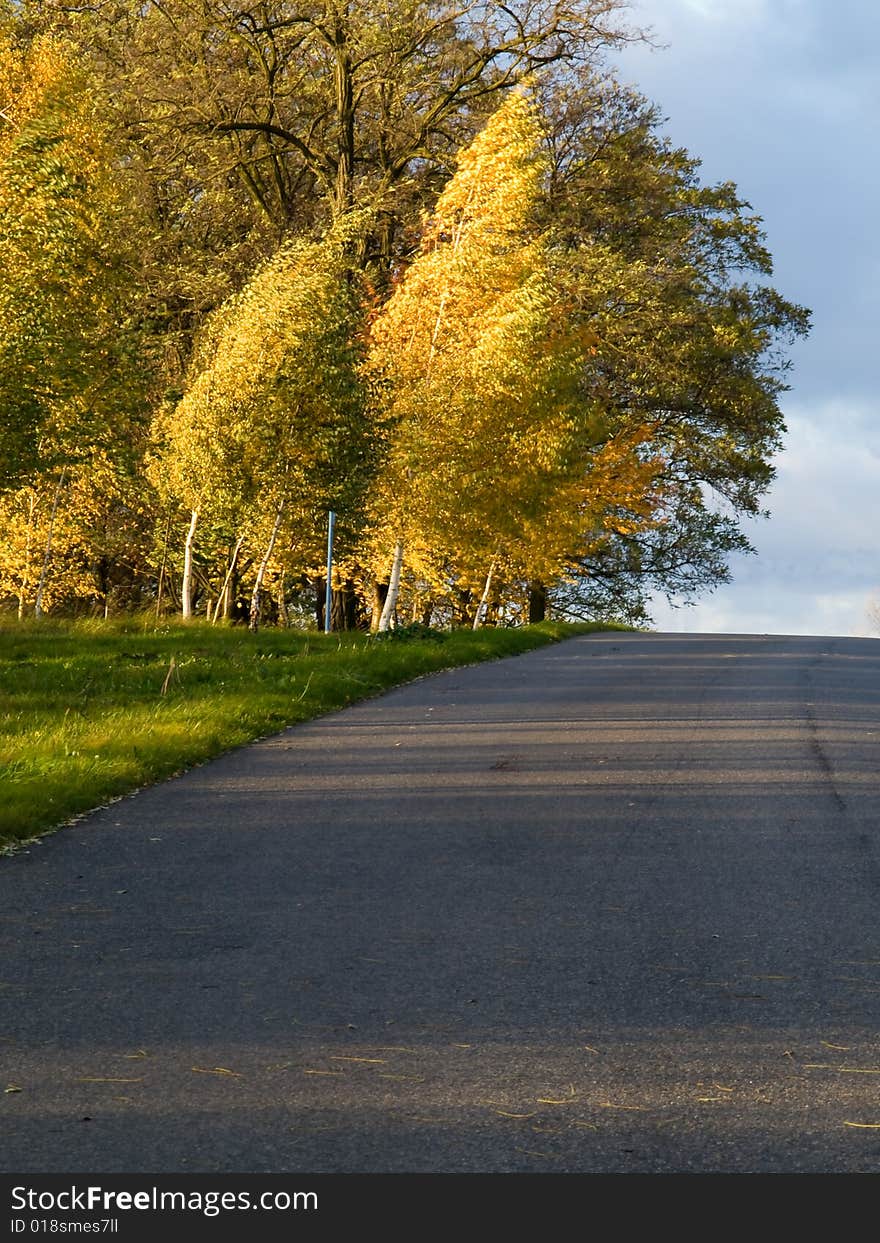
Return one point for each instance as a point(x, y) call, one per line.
point(101, 1079)
point(566, 1100)
point(842, 1070)
point(339, 1057)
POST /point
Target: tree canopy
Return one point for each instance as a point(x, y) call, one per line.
point(427, 264)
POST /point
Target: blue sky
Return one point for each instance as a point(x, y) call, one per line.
point(782, 97)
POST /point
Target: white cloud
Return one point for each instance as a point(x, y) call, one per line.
point(781, 97)
point(743, 12)
point(818, 556)
point(773, 609)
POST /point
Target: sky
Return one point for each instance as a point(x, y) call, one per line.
point(782, 97)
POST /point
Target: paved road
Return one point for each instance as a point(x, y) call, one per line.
point(609, 906)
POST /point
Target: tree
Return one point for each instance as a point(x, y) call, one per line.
point(66, 349)
point(499, 465)
point(688, 347)
point(600, 405)
point(72, 375)
point(321, 106)
point(273, 425)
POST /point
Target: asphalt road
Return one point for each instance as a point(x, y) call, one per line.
point(609, 906)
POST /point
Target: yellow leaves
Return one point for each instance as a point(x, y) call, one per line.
point(274, 391)
point(493, 194)
point(28, 75)
point(475, 391)
point(496, 455)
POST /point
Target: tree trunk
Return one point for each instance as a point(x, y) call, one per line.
point(26, 576)
point(393, 588)
point(254, 621)
point(44, 573)
point(344, 607)
point(462, 615)
point(161, 583)
point(186, 587)
point(224, 599)
point(380, 595)
point(320, 587)
point(478, 616)
point(283, 615)
point(345, 114)
point(537, 603)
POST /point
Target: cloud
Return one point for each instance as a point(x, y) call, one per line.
point(773, 610)
point(781, 97)
point(817, 566)
point(740, 13)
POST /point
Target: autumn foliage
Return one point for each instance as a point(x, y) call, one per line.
point(428, 269)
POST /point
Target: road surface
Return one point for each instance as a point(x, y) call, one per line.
point(611, 906)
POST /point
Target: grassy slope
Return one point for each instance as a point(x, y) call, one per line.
point(84, 717)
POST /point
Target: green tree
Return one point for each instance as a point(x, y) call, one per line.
point(691, 339)
point(66, 344)
point(315, 108)
point(72, 376)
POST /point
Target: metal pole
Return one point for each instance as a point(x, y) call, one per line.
point(331, 523)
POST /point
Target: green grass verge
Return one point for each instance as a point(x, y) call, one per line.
point(89, 711)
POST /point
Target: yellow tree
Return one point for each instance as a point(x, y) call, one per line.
point(499, 455)
point(273, 421)
point(71, 378)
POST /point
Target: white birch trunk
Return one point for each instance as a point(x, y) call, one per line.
point(161, 583)
point(258, 585)
point(44, 573)
point(26, 576)
point(223, 598)
point(393, 588)
point(478, 616)
point(186, 589)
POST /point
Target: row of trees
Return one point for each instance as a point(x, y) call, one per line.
point(423, 264)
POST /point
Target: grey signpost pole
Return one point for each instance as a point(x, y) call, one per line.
point(331, 523)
